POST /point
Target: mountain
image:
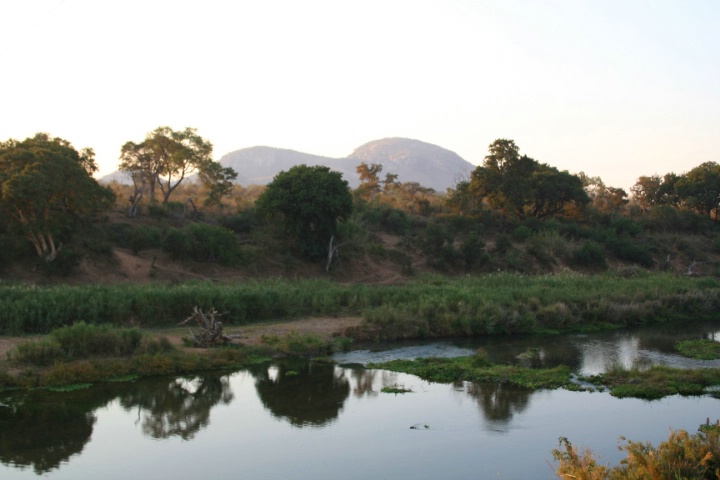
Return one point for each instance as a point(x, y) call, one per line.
point(258, 165)
point(411, 160)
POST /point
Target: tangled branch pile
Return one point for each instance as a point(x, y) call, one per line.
point(211, 329)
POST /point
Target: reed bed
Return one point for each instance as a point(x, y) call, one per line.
point(427, 307)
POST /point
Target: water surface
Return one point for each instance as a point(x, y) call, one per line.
point(300, 420)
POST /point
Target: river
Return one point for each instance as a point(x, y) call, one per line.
point(314, 420)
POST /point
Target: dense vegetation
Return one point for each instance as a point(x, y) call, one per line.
point(427, 307)
point(682, 455)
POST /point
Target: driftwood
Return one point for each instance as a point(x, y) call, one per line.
point(211, 329)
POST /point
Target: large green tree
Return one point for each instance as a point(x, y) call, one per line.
point(699, 188)
point(308, 201)
point(46, 187)
point(165, 158)
point(521, 186)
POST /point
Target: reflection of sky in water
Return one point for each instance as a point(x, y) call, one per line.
point(598, 355)
point(587, 354)
point(474, 431)
point(436, 349)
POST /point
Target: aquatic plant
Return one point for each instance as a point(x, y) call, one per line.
point(656, 382)
point(703, 349)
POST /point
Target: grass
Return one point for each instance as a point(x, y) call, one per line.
point(447, 370)
point(702, 349)
point(430, 306)
point(657, 381)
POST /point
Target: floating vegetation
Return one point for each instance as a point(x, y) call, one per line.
point(702, 349)
point(656, 382)
point(396, 389)
point(447, 370)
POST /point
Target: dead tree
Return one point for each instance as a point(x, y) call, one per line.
point(211, 329)
point(692, 269)
point(333, 252)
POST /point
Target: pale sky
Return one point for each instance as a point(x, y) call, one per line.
point(614, 88)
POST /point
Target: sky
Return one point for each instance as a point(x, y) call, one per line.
point(613, 88)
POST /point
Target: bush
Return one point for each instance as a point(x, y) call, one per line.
point(625, 226)
point(591, 255)
point(522, 233)
point(242, 222)
point(144, 237)
point(64, 264)
point(629, 251)
point(204, 243)
point(472, 251)
point(680, 456)
point(79, 341)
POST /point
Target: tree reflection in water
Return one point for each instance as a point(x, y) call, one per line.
point(498, 402)
point(179, 407)
point(304, 393)
point(43, 430)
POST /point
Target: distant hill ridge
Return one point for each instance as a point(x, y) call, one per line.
point(411, 160)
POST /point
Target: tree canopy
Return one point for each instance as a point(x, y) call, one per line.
point(46, 186)
point(167, 157)
point(521, 186)
point(308, 201)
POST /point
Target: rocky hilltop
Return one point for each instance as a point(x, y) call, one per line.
point(411, 160)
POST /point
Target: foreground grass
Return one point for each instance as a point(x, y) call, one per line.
point(431, 306)
point(682, 455)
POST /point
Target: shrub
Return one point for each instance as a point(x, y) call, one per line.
point(625, 226)
point(242, 222)
point(591, 255)
point(144, 237)
point(522, 233)
point(64, 264)
point(80, 341)
point(473, 252)
point(204, 243)
point(629, 251)
point(502, 244)
point(680, 456)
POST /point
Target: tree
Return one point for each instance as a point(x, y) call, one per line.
point(654, 191)
point(699, 189)
point(503, 179)
point(165, 158)
point(218, 181)
point(605, 199)
point(646, 191)
point(552, 190)
point(369, 181)
point(522, 186)
point(308, 201)
point(46, 186)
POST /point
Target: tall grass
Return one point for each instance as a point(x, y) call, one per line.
point(430, 306)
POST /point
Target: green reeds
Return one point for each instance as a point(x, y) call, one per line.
point(428, 307)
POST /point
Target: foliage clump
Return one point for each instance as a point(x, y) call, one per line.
point(703, 349)
point(682, 455)
point(82, 340)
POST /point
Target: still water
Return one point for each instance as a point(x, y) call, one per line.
point(302, 420)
